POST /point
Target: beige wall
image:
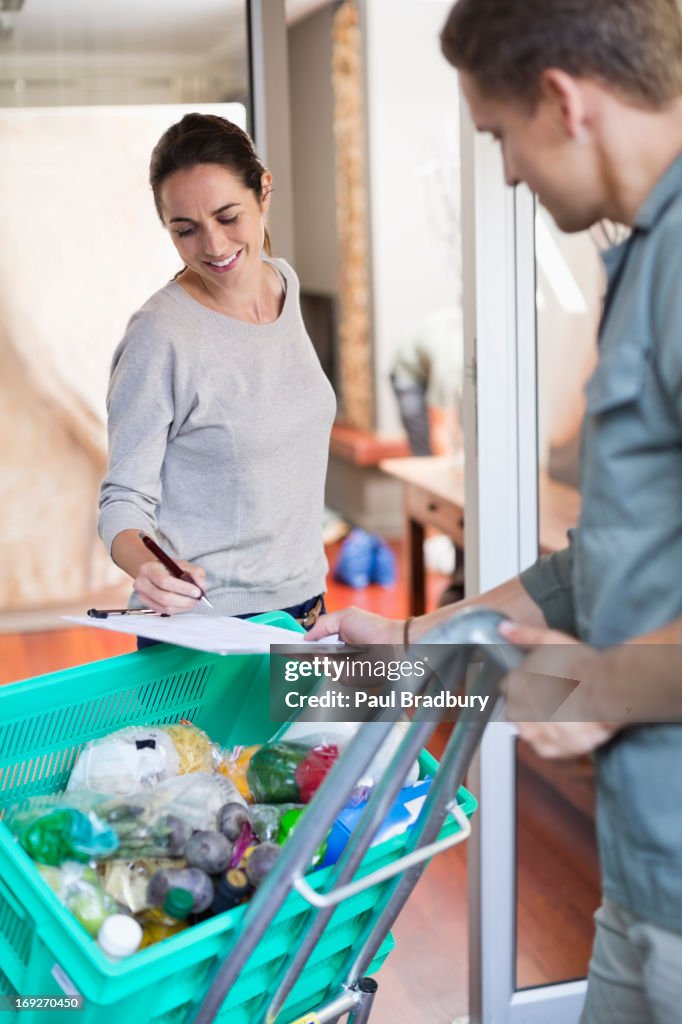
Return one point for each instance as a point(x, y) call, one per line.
point(413, 168)
point(82, 249)
point(312, 152)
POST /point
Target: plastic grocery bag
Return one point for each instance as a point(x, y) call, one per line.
point(125, 762)
point(141, 757)
point(52, 835)
point(79, 888)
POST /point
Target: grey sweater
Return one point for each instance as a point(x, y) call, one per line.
point(218, 445)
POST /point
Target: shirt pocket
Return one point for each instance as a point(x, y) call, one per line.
point(618, 379)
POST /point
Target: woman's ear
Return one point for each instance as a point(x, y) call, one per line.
point(265, 190)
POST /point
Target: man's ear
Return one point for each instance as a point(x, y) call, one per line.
point(563, 92)
point(265, 190)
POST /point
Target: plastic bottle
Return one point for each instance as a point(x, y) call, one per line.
point(119, 936)
point(160, 922)
point(287, 823)
point(232, 888)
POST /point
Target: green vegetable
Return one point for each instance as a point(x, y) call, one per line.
point(67, 834)
point(90, 908)
point(271, 773)
point(266, 819)
point(288, 823)
point(289, 772)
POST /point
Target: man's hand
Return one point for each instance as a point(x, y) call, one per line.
point(562, 740)
point(554, 682)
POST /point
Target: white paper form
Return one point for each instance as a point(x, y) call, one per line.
point(220, 634)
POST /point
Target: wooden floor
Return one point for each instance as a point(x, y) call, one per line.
point(425, 978)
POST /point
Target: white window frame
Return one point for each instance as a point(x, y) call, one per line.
point(500, 429)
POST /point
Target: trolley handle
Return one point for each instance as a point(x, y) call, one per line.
point(343, 892)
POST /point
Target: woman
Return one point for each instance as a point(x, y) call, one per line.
point(219, 411)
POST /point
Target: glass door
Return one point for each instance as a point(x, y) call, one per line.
point(557, 878)
point(532, 861)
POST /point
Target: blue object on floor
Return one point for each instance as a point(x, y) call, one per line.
point(356, 559)
point(365, 558)
point(384, 567)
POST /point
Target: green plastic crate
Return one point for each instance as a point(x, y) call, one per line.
point(44, 723)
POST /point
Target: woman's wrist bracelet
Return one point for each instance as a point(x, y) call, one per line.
point(406, 631)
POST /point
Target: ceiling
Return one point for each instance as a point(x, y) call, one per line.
point(121, 26)
point(129, 26)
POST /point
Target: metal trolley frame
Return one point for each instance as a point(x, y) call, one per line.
point(470, 635)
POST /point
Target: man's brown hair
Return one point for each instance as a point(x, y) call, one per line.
point(634, 46)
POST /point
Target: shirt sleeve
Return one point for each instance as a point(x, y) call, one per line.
point(549, 582)
point(667, 313)
point(140, 412)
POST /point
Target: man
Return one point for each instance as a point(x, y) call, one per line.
point(585, 99)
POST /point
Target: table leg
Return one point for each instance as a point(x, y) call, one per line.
point(416, 577)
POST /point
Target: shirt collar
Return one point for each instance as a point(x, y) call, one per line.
point(613, 259)
point(668, 186)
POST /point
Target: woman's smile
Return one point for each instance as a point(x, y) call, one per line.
point(225, 265)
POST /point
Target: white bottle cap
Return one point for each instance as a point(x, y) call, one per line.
point(119, 936)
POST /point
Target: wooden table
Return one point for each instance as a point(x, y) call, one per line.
point(433, 491)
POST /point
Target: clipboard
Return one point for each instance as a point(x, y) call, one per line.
point(218, 634)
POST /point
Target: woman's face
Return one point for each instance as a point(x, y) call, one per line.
point(216, 224)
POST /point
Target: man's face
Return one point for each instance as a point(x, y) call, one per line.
point(545, 148)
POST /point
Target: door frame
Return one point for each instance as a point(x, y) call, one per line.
point(501, 453)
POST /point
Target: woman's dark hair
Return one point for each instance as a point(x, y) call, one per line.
point(206, 139)
point(634, 46)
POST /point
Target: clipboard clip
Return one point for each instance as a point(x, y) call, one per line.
point(104, 613)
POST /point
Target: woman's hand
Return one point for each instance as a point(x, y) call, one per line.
point(356, 626)
point(157, 589)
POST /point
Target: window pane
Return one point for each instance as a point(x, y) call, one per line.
point(86, 89)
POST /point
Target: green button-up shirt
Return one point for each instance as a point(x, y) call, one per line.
point(621, 575)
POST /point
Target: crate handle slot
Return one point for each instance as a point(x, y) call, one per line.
point(8, 896)
point(422, 853)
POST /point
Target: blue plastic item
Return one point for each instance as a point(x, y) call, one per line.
point(384, 567)
point(365, 558)
point(356, 559)
point(403, 814)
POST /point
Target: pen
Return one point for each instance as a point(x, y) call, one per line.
point(173, 568)
point(103, 613)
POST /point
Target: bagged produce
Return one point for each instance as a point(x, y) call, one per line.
point(126, 881)
point(80, 889)
point(141, 757)
point(196, 752)
point(159, 822)
point(125, 761)
point(266, 819)
point(281, 772)
point(51, 835)
point(341, 733)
